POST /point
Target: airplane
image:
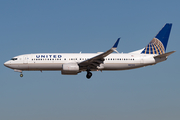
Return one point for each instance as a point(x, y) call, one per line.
point(74, 63)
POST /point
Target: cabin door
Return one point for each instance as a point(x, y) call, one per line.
point(25, 59)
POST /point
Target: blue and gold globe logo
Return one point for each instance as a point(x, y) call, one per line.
point(154, 47)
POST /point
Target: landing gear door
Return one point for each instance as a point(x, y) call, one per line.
point(25, 59)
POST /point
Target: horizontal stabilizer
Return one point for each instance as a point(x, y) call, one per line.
point(164, 55)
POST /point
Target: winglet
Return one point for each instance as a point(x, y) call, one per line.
point(116, 43)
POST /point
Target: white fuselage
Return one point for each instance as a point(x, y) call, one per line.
point(54, 61)
point(74, 63)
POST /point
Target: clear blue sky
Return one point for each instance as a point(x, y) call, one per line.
point(44, 26)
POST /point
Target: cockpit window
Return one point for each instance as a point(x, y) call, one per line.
point(14, 59)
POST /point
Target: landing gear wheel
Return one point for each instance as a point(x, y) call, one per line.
point(21, 75)
point(89, 74)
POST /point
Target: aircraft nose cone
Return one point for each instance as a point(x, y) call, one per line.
point(6, 64)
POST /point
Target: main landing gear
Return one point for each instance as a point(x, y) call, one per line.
point(89, 74)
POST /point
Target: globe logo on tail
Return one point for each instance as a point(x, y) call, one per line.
point(154, 47)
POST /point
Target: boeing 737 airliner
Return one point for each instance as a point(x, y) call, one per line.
point(74, 63)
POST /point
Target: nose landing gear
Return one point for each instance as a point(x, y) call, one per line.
point(16, 70)
point(21, 75)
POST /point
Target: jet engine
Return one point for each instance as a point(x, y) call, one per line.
point(70, 69)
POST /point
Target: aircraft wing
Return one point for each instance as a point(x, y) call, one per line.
point(93, 62)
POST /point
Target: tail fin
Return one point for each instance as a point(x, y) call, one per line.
point(159, 43)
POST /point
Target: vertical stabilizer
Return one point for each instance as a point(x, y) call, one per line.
point(159, 43)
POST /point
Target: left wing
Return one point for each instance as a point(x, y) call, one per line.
point(93, 62)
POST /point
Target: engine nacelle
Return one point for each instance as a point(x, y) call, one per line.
point(70, 69)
